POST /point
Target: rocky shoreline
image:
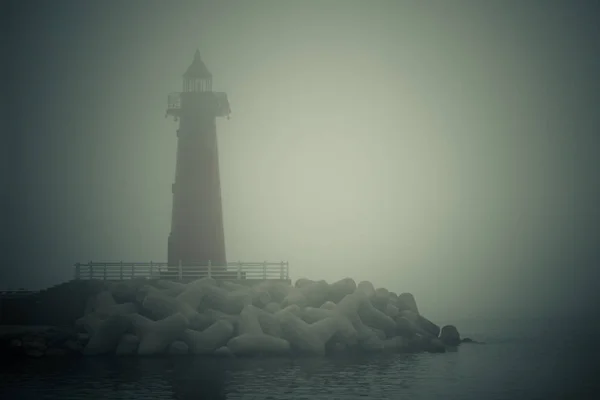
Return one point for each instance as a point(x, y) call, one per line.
point(223, 318)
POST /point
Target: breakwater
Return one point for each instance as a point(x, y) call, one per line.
point(225, 318)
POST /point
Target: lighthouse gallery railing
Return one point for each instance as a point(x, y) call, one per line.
point(161, 270)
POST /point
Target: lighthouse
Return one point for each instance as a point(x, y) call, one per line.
point(197, 235)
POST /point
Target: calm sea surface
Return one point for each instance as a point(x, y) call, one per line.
point(534, 359)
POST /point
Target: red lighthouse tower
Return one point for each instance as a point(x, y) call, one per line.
point(197, 235)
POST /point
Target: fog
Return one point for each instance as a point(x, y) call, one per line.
point(442, 148)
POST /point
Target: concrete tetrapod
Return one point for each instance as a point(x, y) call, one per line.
point(249, 344)
point(272, 307)
point(128, 345)
point(346, 333)
point(194, 294)
point(206, 281)
point(366, 288)
point(251, 339)
point(178, 348)
point(171, 288)
point(329, 305)
point(161, 305)
point(301, 282)
point(248, 322)
point(268, 322)
point(391, 310)
point(107, 335)
point(307, 338)
point(90, 323)
point(341, 288)
point(210, 339)
point(350, 307)
point(232, 286)
point(421, 325)
point(105, 306)
point(316, 293)
point(217, 315)
point(277, 290)
point(260, 296)
point(374, 318)
point(125, 291)
point(223, 300)
point(307, 294)
point(380, 299)
point(294, 297)
point(156, 336)
point(292, 308)
point(406, 301)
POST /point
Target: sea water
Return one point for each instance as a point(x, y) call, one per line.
point(521, 359)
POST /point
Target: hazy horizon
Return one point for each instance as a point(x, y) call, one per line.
point(448, 149)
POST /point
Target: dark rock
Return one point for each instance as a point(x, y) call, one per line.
point(450, 336)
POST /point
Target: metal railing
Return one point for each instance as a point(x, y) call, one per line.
point(161, 270)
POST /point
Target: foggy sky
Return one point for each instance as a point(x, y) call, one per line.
point(447, 148)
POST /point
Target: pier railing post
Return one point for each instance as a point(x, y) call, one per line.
point(180, 270)
point(121, 271)
point(151, 270)
point(264, 270)
point(239, 270)
point(281, 271)
point(104, 272)
point(209, 269)
point(91, 272)
point(287, 270)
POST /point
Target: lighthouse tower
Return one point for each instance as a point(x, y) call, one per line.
point(197, 235)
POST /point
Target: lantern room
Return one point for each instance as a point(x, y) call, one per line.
point(197, 78)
